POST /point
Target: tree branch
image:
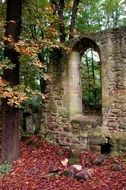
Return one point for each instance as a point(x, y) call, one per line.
point(59, 8)
point(73, 17)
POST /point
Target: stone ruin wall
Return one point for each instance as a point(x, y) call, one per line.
point(58, 121)
point(55, 121)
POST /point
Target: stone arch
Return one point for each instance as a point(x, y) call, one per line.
point(78, 49)
point(84, 43)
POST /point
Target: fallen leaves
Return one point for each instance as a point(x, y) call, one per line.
point(39, 166)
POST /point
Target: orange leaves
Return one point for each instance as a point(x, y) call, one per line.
point(2, 84)
point(26, 51)
point(51, 32)
point(14, 96)
point(27, 48)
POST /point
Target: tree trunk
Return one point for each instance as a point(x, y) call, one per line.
point(73, 17)
point(61, 20)
point(59, 8)
point(10, 115)
point(10, 133)
point(93, 75)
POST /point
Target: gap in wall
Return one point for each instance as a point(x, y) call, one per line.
point(90, 71)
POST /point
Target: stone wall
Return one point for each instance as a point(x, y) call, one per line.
point(55, 121)
point(62, 109)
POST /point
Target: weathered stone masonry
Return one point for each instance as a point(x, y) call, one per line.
point(62, 109)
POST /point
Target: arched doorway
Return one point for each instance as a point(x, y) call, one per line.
point(76, 85)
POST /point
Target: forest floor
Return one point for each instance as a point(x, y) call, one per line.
point(40, 167)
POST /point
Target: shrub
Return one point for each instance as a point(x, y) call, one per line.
point(5, 168)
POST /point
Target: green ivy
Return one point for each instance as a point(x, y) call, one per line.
point(5, 168)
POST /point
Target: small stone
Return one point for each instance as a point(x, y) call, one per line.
point(60, 153)
point(66, 129)
point(82, 175)
point(53, 169)
point(116, 167)
point(100, 159)
point(67, 140)
point(77, 167)
point(50, 127)
point(71, 171)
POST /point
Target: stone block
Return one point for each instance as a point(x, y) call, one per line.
point(53, 126)
point(67, 129)
point(68, 140)
point(51, 137)
point(94, 147)
point(95, 140)
point(82, 139)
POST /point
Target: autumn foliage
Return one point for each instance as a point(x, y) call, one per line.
point(31, 170)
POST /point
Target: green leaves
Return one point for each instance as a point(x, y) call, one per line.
point(6, 64)
point(90, 77)
point(43, 3)
point(5, 168)
point(95, 15)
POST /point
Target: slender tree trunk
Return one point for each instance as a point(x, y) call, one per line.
point(61, 20)
point(92, 64)
point(88, 71)
point(93, 73)
point(10, 117)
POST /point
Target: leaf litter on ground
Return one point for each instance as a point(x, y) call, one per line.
point(38, 157)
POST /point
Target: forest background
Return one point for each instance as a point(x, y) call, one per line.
point(29, 32)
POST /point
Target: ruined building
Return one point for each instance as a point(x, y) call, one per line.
point(63, 120)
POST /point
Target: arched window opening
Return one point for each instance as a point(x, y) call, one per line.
point(90, 71)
